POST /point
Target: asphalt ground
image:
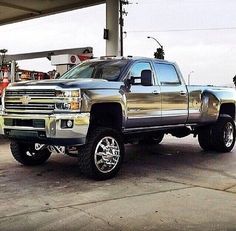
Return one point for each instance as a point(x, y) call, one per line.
point(171, 186)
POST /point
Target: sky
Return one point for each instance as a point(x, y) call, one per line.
point(199, 35)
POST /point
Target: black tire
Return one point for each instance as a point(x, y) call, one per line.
point(214, 137)
point(88, 160)
point(223, 134)
point(152, 140)
point(204, 138)
point(26, 154)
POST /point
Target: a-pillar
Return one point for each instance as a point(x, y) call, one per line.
point(112, 24)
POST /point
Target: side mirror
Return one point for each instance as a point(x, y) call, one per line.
point(128, 82)
point(146, 78)
point(133, 81)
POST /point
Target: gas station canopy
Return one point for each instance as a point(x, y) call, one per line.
point(19, 10)
point(15, 10)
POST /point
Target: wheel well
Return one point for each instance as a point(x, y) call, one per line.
point(107, 115)
point(228, 109)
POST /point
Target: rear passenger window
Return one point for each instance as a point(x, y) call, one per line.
point(166, 74)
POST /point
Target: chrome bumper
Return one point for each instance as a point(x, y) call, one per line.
point(52, 132)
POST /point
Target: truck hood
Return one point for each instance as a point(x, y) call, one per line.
point(70, 83)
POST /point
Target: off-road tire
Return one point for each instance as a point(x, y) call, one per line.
point(213, 137)
point(21, 150)
point(219, 131)
point(87, 153)
point(152, 140)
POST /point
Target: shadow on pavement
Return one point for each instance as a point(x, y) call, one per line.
point(177, 162)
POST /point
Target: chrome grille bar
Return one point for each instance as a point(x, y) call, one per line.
point(35, 93)
point(38, 101)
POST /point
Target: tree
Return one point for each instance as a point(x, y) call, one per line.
point(234, 80)
point(159, 54)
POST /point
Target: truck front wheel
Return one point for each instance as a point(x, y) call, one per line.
point(204, 138)
point(102, 156)
point(26, 154)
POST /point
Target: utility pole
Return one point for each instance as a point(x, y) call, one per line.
point(122, 13)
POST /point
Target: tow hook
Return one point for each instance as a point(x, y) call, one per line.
point(51, 148)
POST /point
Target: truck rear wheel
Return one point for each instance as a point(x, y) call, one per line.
point(26, 154)
point(219, 137)
point(223, 134)
point(102, 156)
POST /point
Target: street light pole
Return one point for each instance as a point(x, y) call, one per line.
point(159, 54)
point(189, 75)
point(149, 37)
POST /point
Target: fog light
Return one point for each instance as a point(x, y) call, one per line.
point(69, 124)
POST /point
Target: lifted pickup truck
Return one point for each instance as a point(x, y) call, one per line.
point(92, 110)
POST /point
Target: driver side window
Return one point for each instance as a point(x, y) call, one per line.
point(137, 69)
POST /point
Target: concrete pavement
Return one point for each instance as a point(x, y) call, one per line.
point(171, 186)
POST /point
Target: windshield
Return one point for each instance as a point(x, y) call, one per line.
point(109, 70)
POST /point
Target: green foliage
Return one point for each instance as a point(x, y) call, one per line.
point(234, 80)
point(159, 54)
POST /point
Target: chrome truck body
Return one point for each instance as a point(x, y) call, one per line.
point(96, 107)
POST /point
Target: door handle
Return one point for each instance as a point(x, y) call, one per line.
point(183, 93)
point(155, 92)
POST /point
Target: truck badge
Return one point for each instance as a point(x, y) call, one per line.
point(25, 99)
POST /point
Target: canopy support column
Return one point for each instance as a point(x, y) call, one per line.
point(112, 24)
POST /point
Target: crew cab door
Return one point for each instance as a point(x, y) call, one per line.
point(174, 95)
point(143, 102)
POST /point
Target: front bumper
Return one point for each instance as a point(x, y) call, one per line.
point(52, 132)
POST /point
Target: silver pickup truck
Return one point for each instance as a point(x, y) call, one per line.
point(92, 110)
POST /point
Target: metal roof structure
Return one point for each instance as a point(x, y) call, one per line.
point(48, 54)
point(18, 10)
point(12, 11)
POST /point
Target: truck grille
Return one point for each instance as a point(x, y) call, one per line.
point(30, 101)
point(31, 93)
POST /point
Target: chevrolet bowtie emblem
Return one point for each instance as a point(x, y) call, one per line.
point(25, 99)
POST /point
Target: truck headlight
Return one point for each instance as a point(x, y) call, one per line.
point(68, 93)
point(68, 100)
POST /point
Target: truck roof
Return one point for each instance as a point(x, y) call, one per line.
point(134, 58)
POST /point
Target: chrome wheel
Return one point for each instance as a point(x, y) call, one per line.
point(228, 134)
point(102, 155)
point(107, 154)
